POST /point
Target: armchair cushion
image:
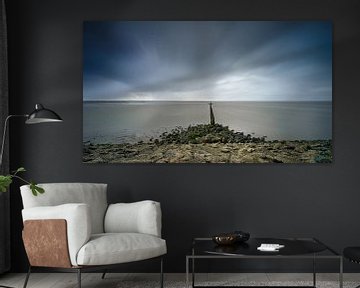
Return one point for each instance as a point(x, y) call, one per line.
point(113, 248)
point(138, 217)
point(78, 221)
point(93, 194)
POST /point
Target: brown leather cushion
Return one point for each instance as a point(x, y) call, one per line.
point(46, 243)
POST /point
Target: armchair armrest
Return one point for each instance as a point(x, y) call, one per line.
point(138, 217)
point(77, 217)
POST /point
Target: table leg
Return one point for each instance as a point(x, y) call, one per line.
point(314, 271)
point(341, 273)
point(193, 272)
point(187, 272)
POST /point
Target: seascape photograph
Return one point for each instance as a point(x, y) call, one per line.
point(207, 92)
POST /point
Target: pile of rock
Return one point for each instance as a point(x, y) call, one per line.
point(205, 133)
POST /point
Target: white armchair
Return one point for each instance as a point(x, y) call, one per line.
point(72, 228)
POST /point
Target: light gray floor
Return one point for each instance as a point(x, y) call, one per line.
point(117, 280)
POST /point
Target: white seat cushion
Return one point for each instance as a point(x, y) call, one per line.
point(137, 217)
point(113, 248)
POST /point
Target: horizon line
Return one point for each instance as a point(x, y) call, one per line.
point(207, 101)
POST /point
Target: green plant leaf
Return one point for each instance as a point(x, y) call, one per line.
point(39, 189)
point(20, 169)
point(33, 189)
point(36, 189)
point(5, 182)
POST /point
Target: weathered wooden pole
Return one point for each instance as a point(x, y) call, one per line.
point(212, 117)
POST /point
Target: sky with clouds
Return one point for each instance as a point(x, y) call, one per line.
point(207, 60)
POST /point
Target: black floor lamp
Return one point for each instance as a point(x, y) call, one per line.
point(39, 115)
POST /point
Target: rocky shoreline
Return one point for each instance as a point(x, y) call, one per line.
point(264, 152)
point(209, 143)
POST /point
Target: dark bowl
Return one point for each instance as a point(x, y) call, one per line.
point(241, 236)
point(225, 239)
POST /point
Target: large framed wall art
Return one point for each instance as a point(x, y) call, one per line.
point(207, 92)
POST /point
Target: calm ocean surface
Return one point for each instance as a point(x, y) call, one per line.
point(121, 122)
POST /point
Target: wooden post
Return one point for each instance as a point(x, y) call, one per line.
point(212, 117)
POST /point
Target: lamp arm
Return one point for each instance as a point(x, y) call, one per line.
point(4, 134)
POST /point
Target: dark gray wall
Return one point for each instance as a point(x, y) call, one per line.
point(45, 39)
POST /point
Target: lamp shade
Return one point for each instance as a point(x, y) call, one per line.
point(42, 115)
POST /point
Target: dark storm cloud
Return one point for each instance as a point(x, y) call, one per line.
point(227, 60)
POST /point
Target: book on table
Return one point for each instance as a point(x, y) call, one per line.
point(270, 247)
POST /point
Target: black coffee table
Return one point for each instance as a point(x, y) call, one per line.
point(294, 248)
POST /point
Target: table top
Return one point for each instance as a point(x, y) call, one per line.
point(292, 247)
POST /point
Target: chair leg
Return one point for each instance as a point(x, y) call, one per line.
point(27, 277)
point(79, 277)
point(161, 273)
point(103, 275)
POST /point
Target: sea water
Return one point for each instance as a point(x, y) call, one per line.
point(130, 122)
